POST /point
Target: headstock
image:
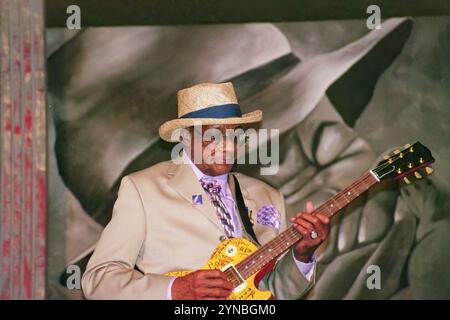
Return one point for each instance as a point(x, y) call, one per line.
point(412, 159)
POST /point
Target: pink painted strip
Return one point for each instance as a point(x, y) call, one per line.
point(23, 151)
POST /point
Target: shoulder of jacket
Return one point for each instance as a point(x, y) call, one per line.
point(255, 185)
point(152, 173)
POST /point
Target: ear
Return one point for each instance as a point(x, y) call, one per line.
point(185, 136)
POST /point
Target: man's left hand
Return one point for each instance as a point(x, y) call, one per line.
point(308, 224)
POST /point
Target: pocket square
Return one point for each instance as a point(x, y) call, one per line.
point(268, 215)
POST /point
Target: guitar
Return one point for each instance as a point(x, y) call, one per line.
point(241, 260)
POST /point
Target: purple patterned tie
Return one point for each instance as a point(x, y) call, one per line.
point(212, 188)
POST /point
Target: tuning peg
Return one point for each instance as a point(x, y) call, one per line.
point(396, 151)
point(401, 155)
point(421, 160)
point(417, 175)
point(429, 170)
point(406, 180)
point(399, 170)
point(410, 165)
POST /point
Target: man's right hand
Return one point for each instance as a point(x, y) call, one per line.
point(202, 284)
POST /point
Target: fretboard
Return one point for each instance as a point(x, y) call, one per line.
point(277, 246)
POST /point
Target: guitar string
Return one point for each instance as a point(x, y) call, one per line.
point(334, 200)
point(363, 179)
point(341, 194)
point(233, 276)
point(360, 182)
point(280, 245)
point(252, 268)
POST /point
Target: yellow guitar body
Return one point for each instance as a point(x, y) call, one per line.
point(229, 253)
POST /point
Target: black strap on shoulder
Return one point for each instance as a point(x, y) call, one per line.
point(243, 211)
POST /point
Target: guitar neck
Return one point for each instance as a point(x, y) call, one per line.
point(288, 238)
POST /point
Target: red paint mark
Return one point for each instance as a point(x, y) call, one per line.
point(28, 120)
point(26, 54)
point(26, 49)
point(28, 127)
point(28, 167)
point(27, 282)
point(17, 129)
point(7, 124)
point(5, 248)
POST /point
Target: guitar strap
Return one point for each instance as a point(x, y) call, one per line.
point(243, 211)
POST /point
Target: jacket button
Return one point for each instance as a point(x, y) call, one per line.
point(223, 238)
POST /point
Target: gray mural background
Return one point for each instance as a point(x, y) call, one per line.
point(341, 95)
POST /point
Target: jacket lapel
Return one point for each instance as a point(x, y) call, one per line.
point(263, 233)
point(250, 203)
point(185, 183)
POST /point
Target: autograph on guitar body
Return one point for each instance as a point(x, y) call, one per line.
point(241, 260)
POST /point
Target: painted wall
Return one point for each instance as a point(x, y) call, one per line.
point(341, 96)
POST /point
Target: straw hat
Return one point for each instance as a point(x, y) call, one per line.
point(207, 103)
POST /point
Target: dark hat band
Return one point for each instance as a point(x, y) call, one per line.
point(220, 112)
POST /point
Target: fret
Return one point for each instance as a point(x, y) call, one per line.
point(369, 181)
point(334, 205)
point(352, 193)
point(329, 210)
point(344, 194)
point(364, 185)
point(233, 276)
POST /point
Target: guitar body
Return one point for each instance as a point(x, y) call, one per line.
point(229, 253)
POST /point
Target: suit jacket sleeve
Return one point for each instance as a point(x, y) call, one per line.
point(285, 280)
point(110, 273)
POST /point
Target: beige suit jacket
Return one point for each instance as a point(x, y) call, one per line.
point(156, 228)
